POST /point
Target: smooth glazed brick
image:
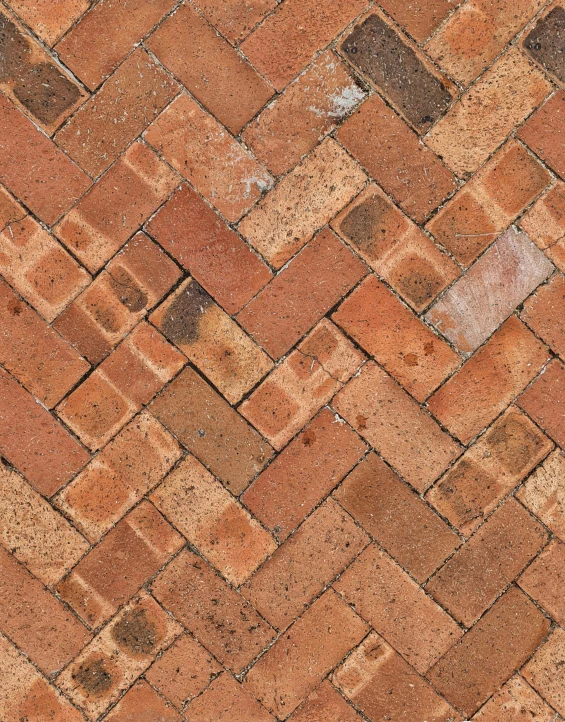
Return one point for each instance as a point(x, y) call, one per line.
point(226, 700)
point(544, 132)
point(543, 493)
point(543, 400)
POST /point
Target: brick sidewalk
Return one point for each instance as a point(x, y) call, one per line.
point(282, 347)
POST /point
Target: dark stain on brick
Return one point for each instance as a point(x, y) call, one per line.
point(93, 677)
point(381, 54)
point(45, 91)
point(364, 226)
point(14, 49)
point(135, 633)
point(182, 319)
point(514, 443)
point(127, 290)
point(546, 42)
point(419, 282)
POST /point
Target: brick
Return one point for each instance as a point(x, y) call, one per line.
point(544, 222)
point(516, 702)
point(211, 430)
point(398, 70)
point(489, 470)
point(325, 703)
point(142, 704)
point(207, 65)
point(35, 354)
point(396, 158)
point(213, 254)
point(543, 493)
point(306, 199)
point(282, 45)
point(46, 180)
point(303, 474)
point(183, 671)
point(383, 594)
point(545, 671)
point(543, 132)
point(312, 283)
point(298, 661)
point(543, 400)
point(116, 206)
point(214, 343)
point(132, 464)
point(105, 35)
point(543, 312)
point(235, 19)
point(33, 81)
point(25, 693)
point(118, 655)
point(213, 521)
point(421, 17)
point(501, 99)
point(226, 700)
point(489, 202)
point(395, 247)
point(34, 442)
point(489, 381)
point(312, 557)
point(544, 42)
point(380, 683)
point(47, 22)
point(397, 519)
point(213, 611)
point(36, 620)
point(544, 580)
point(126, 103)
point(394, 424)
point(309, 108)
point(476, 33)
point(332, 350)
point(10, 210)
point(114, 570)
point(397, 339)
point(489, 653)
point(214, 163)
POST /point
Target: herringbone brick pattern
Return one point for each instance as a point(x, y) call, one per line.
point(282, 347)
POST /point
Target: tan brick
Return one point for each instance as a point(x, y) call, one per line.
point(226, 700)
point(47, 22)
point(544, 493)
point(545, 671)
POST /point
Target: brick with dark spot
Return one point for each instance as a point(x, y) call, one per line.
point(14, 49)
point(180, 324)
point(135, 633)
point(45, 91)
point(93, 676)
point(546, 42)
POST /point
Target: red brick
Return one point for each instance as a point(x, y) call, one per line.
point(142, 704)
point(235, 19)
point(214, 163)
point(117, 205)
point(303, 474)
point(332, 350)
point(544, 580)
point(34, 442)
point(515, 702)
point(397, 339)
point(421, 17)
point(545, 671)
point(544, 399)
point(226, 700)
point(123, 107)
point(35, 620)
point(290, 37)
point(219, 77)
point(543, 312)
point(214, 612)
point(489, 381)
point(46, 180)
point(396, 426)
point(543, 493)
point(397, 159)
point(544, 222)
point(314, 281)
point(48, 22)
point(305, 199)
point(325, 704)
point(106, 34)
point(201, 242)
point(10, 210)
point(299, 660)
point(396, 518)
point(544, 131)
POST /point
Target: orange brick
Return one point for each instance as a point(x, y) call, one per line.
point(544, 132)
point(544, 580)
point(383, 594)
point(489, 381)
point(34, 442)
point(301, 476)
point(235, 19)
point(396, 518)
point(314, 281)
point(306, 199)
point(543, 493)
point(202, 243)
point(213, 521)
point(117, 205)
point(299, 660)
point(290, 37)
point(47, 22)
point(10, 210)
point(211, 430)
point(395, 247)
point(226, 700)
point(332, 350)
point(142, 704)
point(123, 107)
point(396, 426)
point(212, 610)
point(489, 202)
point(214, 343)
point(300, 569)
point(501, 99)
point(214, 163)
point(310, 108)
point(219, 77)
point(324, 704)
point(545, 671)
point(489, 470)
point(397, 159)
point(417, 358)
point(543, 312)
point(105, 35)
point(421, 17)
point(544, 400)
point(544, 222)
point(516, 701)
